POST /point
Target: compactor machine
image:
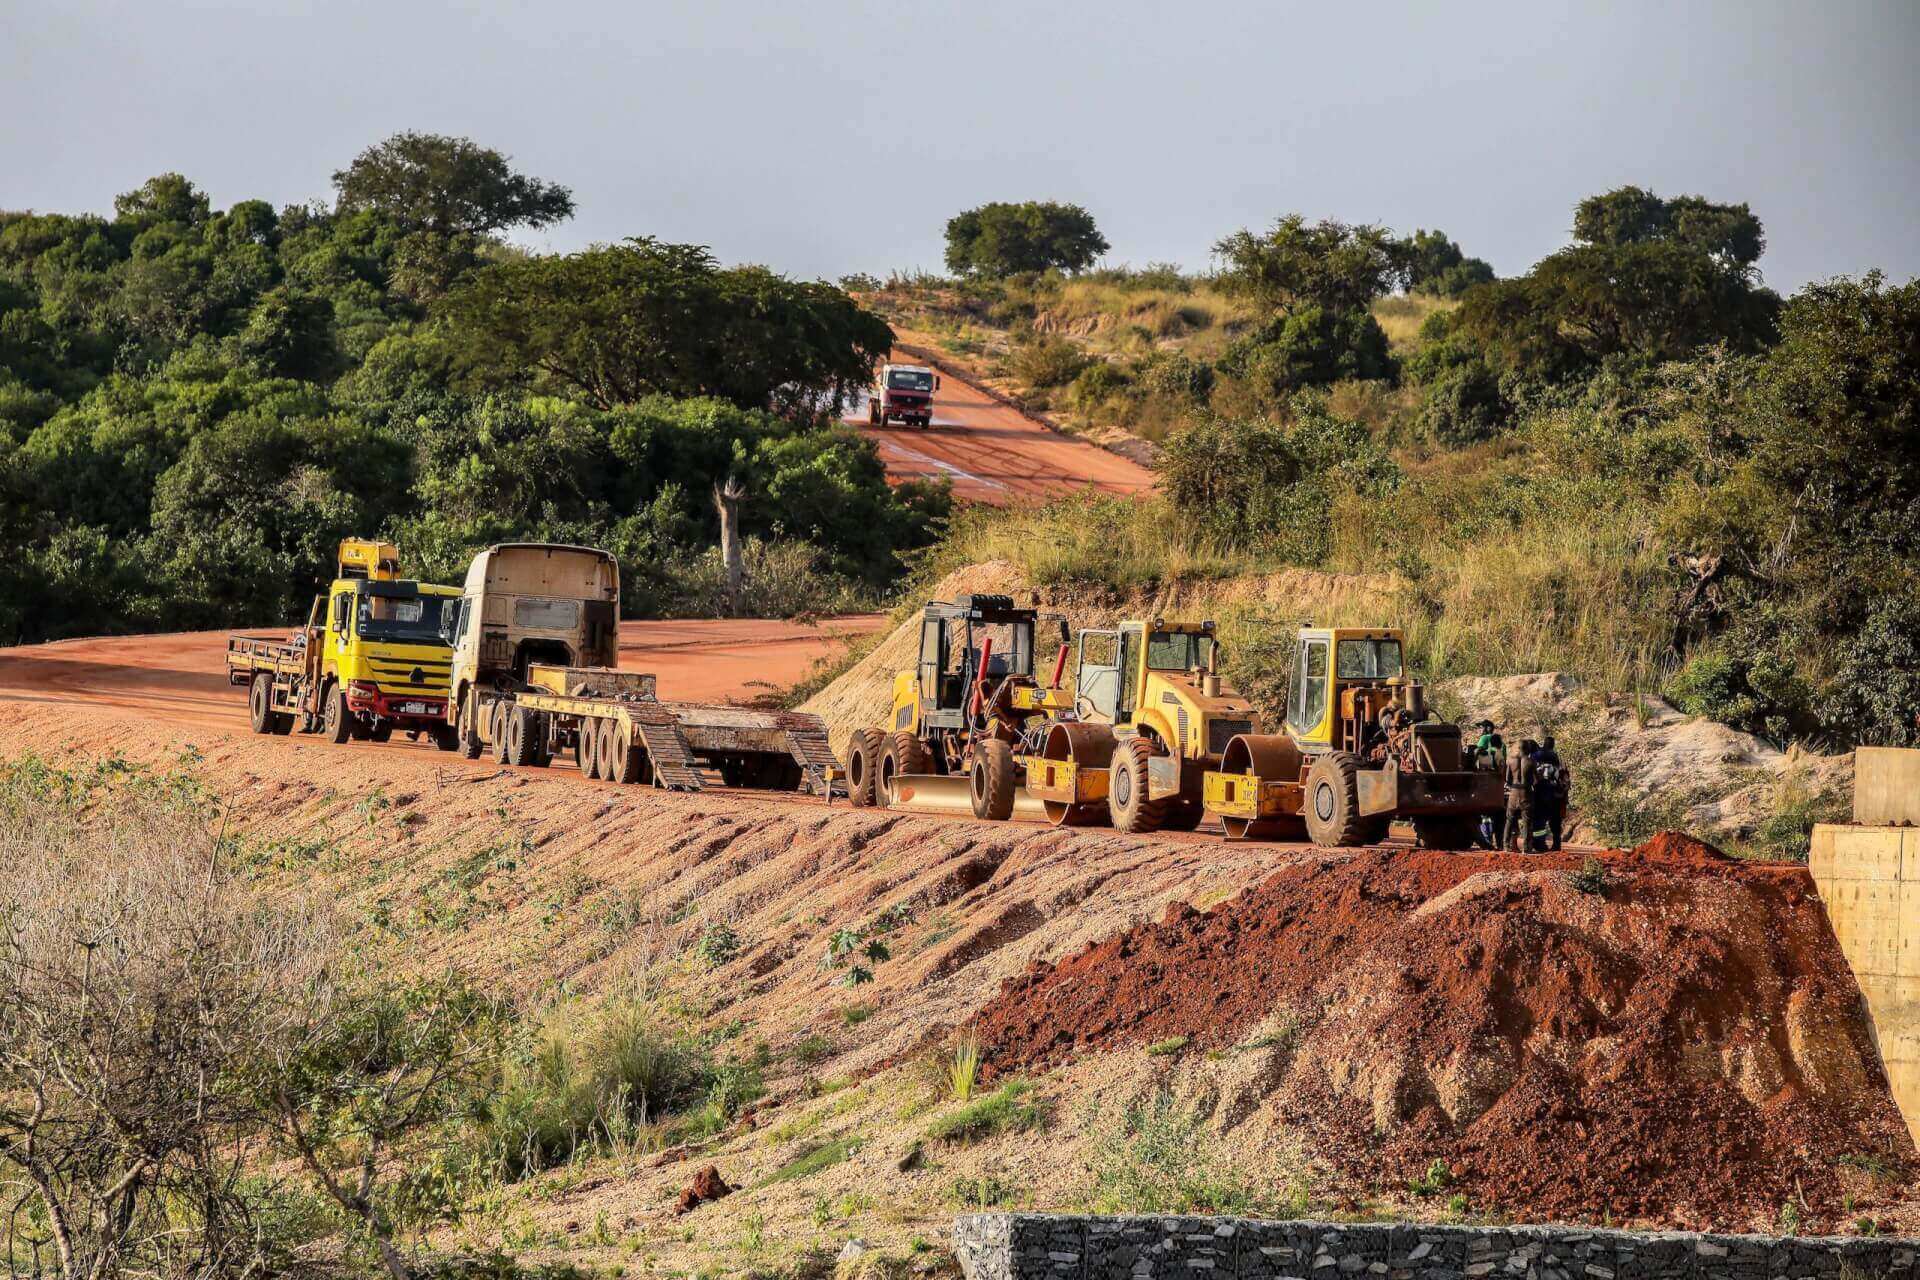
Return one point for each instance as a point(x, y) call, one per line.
point(1359, 749)
point(960, 714)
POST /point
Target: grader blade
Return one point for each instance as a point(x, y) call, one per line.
point(931, 793)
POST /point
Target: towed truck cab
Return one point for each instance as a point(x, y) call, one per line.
point(903, 393)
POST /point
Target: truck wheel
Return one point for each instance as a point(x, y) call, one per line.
point(497, 731)
point(1333, 803)
point(444, 736)
point(990, 781)
point(260, 703)
point(467, 726)
point(380, 733)
point(523, 737)
point(586, 748)
point(338, 725)
point(863, 767)
point(1127, 799)
point(874, 417)
point(906, 754)
point(606, 750)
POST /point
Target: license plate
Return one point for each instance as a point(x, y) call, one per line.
point(413, 708)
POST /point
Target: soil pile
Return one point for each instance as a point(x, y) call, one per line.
point(1683, 1046)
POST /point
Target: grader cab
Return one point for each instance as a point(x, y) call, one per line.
point(1360, 749)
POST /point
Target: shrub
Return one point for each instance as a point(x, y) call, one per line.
point(964, 1068)
point(1176, 376)
point(718, 943)
point(1463, 405)
point(1048, 362)
point(1154, 1157)
point(1166, 1048)
point(1312, 347)
point(1094, 385)
point(1011, 1108)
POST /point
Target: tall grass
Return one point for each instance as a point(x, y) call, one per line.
point(1110, 541)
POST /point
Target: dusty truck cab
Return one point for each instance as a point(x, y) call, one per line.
point(903, 393)
point(527, 604)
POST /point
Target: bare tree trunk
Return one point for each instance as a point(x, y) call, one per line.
point(727, 496)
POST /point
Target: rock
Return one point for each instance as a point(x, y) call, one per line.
point(911, 1160)
point(852, 1250)
point(706, 1185)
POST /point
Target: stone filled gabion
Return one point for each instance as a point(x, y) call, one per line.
point(1035, 1246)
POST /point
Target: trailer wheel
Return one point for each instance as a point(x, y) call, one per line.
point(863, 767)
point(467, 726)
point(629, 757)
point(586, 742)
point(606, 749)
point(338, 724)
point(906, 754)
point(1127, 801)
point(990, 781)
point(1333, 803)
point(260, 703)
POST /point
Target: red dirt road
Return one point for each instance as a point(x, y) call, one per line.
point(182, 679)
point(995, 454)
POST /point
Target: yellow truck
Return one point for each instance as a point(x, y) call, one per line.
point(370, 660)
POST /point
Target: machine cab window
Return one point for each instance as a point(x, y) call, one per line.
point(1369, 660)
point(1179, 651)
point(1307, 705)
point(909, 380)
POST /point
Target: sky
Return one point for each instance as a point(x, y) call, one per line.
point(821, 137)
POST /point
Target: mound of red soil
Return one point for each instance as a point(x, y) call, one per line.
point(706, 1185)
point(1683, 1047)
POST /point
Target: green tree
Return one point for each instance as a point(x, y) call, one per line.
point(1002, 239)
point(1436, 265)
point(1297, 264)
point(620, 322)
point(447, 186)
point(1728, 233)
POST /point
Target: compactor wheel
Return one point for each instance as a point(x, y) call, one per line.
point(467, 726)
point(1089, 747)
point(863, 767)
point(523, 736)
point(606, 749)
point(905, 754)
point(586, 748)
point(1127, 799)
point(338, 725)
point(1333, 803)
point(990, 781)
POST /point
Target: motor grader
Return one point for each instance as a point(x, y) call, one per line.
point(1150, 716)
point(959, 714)
point(1359, 750)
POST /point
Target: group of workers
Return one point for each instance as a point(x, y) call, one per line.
point(1537, 783)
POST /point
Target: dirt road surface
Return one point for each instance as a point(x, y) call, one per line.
point(182, 679)
point(995, 454)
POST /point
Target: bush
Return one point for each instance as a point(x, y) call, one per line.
point(1156, 1158)
point(1048, 362)
point(1176, 376)
point(1312, 347)
point(1463, 405)
point(1094, 385)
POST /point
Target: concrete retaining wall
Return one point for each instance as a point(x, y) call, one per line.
point(1869, 882)
point(1007, 1246)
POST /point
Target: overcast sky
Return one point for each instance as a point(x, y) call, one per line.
point(827, 136)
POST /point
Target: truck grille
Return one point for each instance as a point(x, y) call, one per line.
point(1221, 732)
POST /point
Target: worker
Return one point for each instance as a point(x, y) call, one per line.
point(1517, 833)
point(1483, 745)
point(1489, 756)
point(1551, 785)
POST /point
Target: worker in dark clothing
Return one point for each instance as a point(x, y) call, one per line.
point(1517, 834)
point(1551, 784)
point(1490, 756)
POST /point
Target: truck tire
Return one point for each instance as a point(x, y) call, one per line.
point(586, 748)
point(523, 737)
point(629, 757)
point(497, 730)
point(906, 754)
point(260, 703)
point(875, 418)
point(380, 733)
point(863, 767)
point(990, 781)
point(1127, 801)
point(444, 737)
point(338, 724)
point(1332, 803)
point(467, 726)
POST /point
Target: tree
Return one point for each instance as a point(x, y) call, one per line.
point(1311, 347)
point(1002, 239)
point(1330, 265)
point(1728, 233)
point(168, 199)
point(620, 322)
point(1436, 265)
point(448, 186)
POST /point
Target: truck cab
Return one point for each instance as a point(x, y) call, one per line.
point(384, 664)
point(903, 393)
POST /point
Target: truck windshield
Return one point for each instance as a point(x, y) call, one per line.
point(909, 380)
point(1179, 651)
point(413, 619)
point(1369, 659)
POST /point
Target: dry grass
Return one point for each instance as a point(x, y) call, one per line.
point(1402, 315)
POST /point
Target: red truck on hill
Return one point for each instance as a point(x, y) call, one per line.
point(903, 393)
